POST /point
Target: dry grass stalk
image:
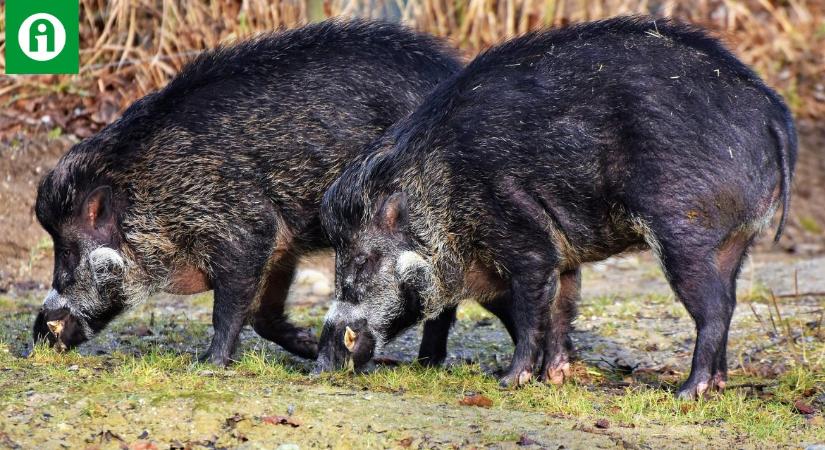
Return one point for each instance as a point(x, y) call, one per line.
point(131, 47)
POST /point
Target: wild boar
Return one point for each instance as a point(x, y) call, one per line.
point(552, 150)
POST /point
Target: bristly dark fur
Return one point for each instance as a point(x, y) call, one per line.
point(242, 68)
point(222, 171)
point(382, 169)
point(552, 150)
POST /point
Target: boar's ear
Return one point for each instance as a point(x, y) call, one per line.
point(393, 214)
point(97, 210)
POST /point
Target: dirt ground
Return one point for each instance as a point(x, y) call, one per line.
point(136, 385)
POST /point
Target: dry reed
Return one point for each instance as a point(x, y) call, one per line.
point(130, 47)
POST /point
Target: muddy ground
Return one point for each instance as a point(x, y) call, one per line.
point(137, 384)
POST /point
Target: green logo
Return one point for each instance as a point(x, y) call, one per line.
point(42, 36)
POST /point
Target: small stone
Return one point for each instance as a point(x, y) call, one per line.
point(321, 288)
point(309, 277)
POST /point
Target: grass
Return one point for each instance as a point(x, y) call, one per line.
point(810, 225)
point(154, 383)
point(159, 378)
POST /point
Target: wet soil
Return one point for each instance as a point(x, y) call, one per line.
point(629, 326)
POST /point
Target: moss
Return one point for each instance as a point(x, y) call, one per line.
point(810, 225)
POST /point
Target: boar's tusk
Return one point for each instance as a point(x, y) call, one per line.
point(56, 327)
point(349, 339)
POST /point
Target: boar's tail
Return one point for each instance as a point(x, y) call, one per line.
point(785, 135)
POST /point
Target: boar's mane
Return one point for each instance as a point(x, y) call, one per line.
point(107, 156)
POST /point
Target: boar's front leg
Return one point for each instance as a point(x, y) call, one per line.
point(237, 270)
point(271, 322)
point(531, 287)
point(433, 349)
point(232, 301)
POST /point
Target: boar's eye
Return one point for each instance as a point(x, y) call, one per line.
point(365, 263)
point(63, 253)
point(360, 260)
point(67, 256)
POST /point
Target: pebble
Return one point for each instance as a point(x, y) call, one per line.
point(309, 277)
point(322, 288)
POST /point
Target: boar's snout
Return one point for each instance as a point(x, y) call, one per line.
point(59, 328)
point(342, 344)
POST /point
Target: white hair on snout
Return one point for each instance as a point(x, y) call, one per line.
point(408, 263)
point(343, 313)
point(107, 265)
point(113, 270)
point(417, 272)
point(54, 300)
point(383, 304)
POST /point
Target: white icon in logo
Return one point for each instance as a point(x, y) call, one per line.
point(41, 37)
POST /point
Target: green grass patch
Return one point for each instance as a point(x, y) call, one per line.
point(810, 225)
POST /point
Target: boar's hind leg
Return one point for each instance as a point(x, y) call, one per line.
point(530, 289)
point(270, 321)
point(689, 260)
point(729, 259)
point(557, 343)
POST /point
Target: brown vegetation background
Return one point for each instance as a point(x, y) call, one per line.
point(131, 47)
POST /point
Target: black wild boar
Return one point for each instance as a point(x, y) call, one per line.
point(550, 151)
point(215, 181)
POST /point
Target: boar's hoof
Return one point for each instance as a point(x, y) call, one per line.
point(719, 381)
point(557, 374)
point(299, 341)
point(296, 340)
point(430, 361)
point(306, 346)
point(215, 359)
point(692, 391)
point(516, 379)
